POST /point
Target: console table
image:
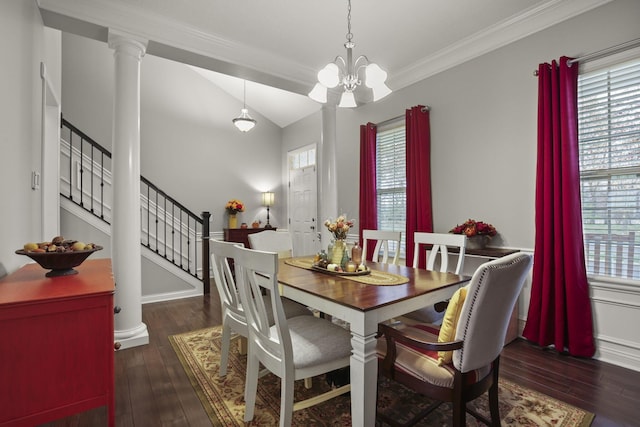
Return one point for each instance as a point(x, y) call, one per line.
point(56, 344)
point(241, 235)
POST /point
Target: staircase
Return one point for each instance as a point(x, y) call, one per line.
point(169, 231)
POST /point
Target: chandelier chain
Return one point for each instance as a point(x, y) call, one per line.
point(349, 35)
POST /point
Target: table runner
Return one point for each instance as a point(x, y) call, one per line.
point(378, 278)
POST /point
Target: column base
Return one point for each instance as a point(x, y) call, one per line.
point(132, 337)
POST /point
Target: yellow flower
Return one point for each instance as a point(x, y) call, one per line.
point(234, 206)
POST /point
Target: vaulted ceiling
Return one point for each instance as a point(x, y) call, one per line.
point(281, 44)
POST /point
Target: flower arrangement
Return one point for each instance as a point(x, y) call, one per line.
point(340, 227)
point(234, 206)
point(474, 228)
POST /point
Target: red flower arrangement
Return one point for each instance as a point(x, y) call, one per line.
point(474, 228)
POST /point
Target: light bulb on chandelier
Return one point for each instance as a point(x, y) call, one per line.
point(345, 73)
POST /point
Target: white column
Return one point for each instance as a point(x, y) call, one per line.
point(125, 225)
point(328, 179)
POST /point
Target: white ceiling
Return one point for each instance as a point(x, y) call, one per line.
point(281, 44)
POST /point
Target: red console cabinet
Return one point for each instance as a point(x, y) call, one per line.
point(56, 344)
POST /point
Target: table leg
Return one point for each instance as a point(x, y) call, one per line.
point(364, 376)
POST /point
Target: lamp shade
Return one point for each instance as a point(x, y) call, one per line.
point(268, 198)
point(244, 122)
point(347, 100)
point(380, 91)
point(319, 93)
point(329, 76)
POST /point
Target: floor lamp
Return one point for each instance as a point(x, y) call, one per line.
point(267, 200)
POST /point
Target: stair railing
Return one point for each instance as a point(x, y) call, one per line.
point(168, 228)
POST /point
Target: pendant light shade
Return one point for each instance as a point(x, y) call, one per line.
point(244, 122)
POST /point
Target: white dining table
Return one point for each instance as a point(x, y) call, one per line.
point(363, 306)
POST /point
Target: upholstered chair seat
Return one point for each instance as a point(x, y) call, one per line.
point(424, 364)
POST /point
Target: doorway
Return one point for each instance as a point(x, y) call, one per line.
point(303, 200)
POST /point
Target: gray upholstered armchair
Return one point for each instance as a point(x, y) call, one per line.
point(465, 363)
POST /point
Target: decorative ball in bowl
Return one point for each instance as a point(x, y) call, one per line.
point(59, 257)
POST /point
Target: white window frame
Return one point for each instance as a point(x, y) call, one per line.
point(593, 222)
point(392, 218)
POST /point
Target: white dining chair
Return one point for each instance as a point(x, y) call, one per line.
point(436, 246)
point(382, 239)
point(293, 348)
point(233, 315)
point(279, 242)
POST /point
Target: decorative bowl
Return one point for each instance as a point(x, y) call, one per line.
point(60, 263)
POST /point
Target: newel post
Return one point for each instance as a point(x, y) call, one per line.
point(206, 259)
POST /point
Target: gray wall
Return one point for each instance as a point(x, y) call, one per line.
point(189, 147)
point(483, 124)
point(24, 43)
point(484, 136)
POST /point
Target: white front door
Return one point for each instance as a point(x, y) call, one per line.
point(303, 210)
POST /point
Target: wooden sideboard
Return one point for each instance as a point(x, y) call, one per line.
point(241, 235)
point(56, 344)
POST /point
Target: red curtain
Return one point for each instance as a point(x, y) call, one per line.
point(368, 192)
point(419, 213)
point(560, 308)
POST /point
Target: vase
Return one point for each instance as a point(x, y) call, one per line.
point(233, 221)
point(477, 242)
point(339, 248)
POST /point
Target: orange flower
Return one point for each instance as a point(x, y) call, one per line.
point(340, 227)
point(234, 206)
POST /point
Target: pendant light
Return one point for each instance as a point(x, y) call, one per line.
point(244, 122)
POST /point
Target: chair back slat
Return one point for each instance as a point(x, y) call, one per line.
point(436, 244)
point(221, 252)
point(382, 239)
point(256, 273)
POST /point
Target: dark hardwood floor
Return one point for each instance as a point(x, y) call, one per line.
point(153, 390)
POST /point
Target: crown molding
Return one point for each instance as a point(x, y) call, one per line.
point(180, 42)
point(503, 33)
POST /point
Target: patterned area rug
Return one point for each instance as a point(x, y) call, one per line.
point(223, 398)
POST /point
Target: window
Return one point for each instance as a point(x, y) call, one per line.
point(302, 159)
point(391, 179)
point(609, 147)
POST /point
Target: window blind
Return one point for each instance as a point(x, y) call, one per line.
point(391, 180)
point(609, 150)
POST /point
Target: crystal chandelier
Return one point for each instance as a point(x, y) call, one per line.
point(346, 74)
point(244, 122)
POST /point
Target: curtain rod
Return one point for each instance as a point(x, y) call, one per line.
point(401, 116)
point(604, 52)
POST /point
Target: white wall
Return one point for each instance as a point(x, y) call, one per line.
point(483, 130)
point(24, 44)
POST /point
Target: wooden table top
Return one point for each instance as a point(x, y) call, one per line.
point(362, 296)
